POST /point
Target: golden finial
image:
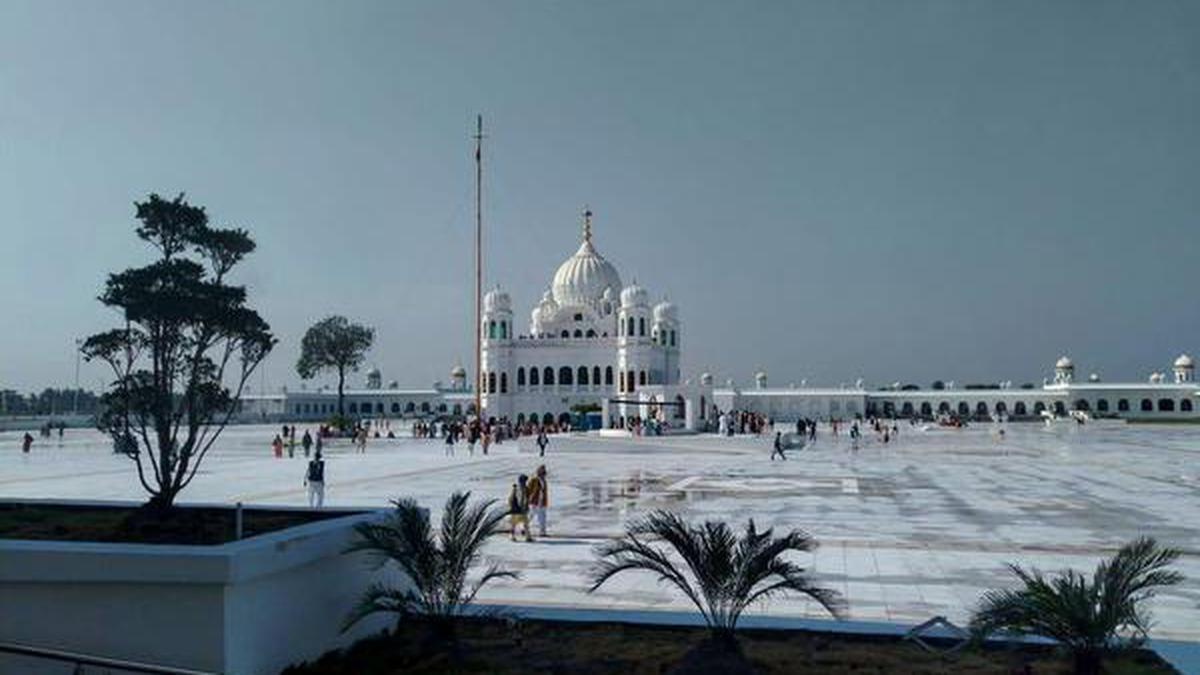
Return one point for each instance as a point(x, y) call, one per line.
point(587, 224)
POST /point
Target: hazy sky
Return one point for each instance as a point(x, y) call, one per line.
point(892, 190)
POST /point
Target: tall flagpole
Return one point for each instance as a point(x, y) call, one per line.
point(478, 265)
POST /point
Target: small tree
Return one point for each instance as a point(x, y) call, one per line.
point(1089, 617)
point(437, 562)
point(187, 331)
point(334, 344)
point(722, 573)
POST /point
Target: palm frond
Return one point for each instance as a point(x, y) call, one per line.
point(721, 573)
point(1087, 615)
point(436, 564)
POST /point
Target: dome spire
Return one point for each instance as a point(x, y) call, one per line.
point(587, 224)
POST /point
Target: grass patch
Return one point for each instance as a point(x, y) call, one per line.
point(498, 647)
point(131, 525)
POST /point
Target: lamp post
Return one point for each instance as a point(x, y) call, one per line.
point(75, 401)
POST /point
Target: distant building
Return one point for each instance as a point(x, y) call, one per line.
point(596, 343)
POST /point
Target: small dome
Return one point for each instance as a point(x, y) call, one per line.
point(1156, 378)
point(457, 372)
point(706, 379)
point(374, 372)
point(1094, 377)
point(497, 300)
point(665, 312)
point(1064, 363)
point(1184, 361)
point(608, 294)
point(634, 296)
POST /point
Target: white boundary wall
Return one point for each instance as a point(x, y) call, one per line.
point(249, 607)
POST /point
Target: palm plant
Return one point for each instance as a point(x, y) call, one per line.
point(438, 562)
point(1089, 617)
point(722, 573)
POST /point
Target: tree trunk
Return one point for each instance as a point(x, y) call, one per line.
point(1087, 661)
point(341, 389)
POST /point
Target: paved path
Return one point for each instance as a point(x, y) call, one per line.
point(919, 527)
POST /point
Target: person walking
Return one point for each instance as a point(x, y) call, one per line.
point(542, 441)
point(320, 441)
point(539, 498)
point(485, 440)
point(291, 442)
point(449, 446)
point(778, 447)
point(277, 446)
point(26, 443)
point(306, 442)
point(314, 480)
point(518, 507)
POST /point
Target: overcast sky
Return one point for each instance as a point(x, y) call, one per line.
point(828, 190)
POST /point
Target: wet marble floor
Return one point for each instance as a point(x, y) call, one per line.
point(908, 530)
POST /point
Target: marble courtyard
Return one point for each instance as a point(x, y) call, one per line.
point(913, 529)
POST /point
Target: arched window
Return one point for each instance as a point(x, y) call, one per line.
point(963, 408)
point(1185, 405)
point(410, 407)
point(642, 326)
point(564, 419)
point(629, 327)
point(395, 407)
point(564, 375)
point(503, 330)
point(521, 377)
point(1082, 405)
point(1147, 405)
point(503, 383)
point(578, 333)
point(533, 376)
point(680, 407)
point(1123, 405)
point(491, 383)
point(1001, 407)
point(1166, 405)
point(353, 407)
point(548, 376)
point(1102, 405)
point(1060, 408)
point(1019, 409)
point(566, 334)
point(642, 378)
point(672, 338)
point(926, 409)
point(1039, 408)
point(944, 408)
point(520, 419)
point(424, 406)
point(591, 333)
point(596, 375)
point(703, 408)
point(629, 381)
point(608, 375)
point(441, 407)
point(981, 409)
point(582, 376)
point(547, 419)
point(622, 387)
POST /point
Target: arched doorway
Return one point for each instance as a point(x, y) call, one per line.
point(1166, 405)
point(1019, 409)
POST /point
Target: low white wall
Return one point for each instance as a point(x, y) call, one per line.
point(245, 608)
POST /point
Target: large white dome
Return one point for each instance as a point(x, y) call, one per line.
point(1184, 361)
point(584, 277)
